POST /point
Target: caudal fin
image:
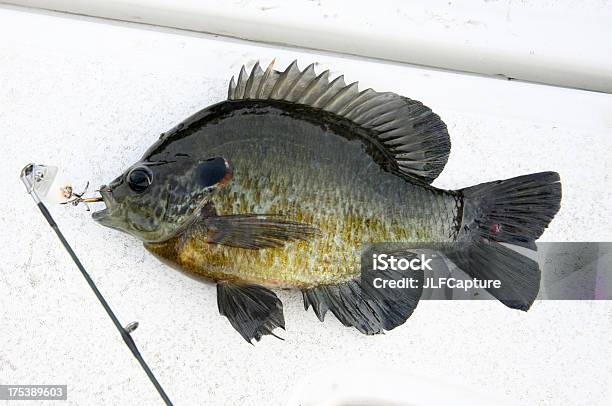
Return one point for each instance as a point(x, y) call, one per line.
point(519, 276)
point(514, 211)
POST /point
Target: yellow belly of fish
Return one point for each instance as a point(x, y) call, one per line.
point(330, 258)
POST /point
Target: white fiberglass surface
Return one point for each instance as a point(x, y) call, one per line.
point(91, 96)
point(561, 42)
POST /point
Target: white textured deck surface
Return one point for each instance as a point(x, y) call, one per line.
point(91, 96)
point(561, 42)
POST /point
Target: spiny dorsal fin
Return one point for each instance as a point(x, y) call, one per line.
point(412, 134)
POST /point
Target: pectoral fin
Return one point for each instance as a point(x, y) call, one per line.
point(252, 310)
point(254, 231)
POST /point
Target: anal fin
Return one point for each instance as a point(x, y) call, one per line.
point(252, 310)
point(361, 304)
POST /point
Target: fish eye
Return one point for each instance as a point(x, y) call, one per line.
point(139, 179)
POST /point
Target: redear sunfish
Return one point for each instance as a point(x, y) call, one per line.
point(283, 183)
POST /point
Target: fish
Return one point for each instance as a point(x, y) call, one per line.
point(282, 184)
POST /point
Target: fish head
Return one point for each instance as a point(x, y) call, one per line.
point(155, 201)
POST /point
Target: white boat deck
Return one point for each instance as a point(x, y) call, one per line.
point(90, 95)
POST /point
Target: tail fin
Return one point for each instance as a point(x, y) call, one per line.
point(519, 276)
point(514, 211)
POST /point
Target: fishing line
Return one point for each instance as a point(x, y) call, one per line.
point(37, 178)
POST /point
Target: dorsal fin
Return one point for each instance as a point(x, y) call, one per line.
point(410, 132)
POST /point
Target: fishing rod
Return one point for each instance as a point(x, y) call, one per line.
point(38, 179)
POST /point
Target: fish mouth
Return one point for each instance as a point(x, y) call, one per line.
point(101, 214)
